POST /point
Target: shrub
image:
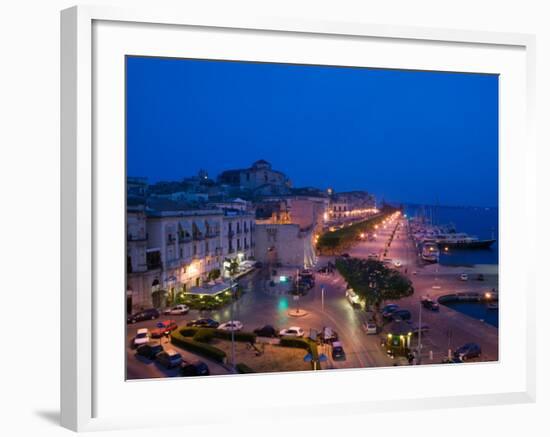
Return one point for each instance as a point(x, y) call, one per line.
point(243, 368)
point(203, 349)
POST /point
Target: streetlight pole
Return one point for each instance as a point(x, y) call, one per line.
point(323, 299)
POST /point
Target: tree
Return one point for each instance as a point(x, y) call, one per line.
point(373, 282)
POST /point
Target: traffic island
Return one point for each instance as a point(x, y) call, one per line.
point(297, 313)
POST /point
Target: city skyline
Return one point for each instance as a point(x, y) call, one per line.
point(350, 128)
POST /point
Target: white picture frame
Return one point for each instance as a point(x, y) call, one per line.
point(85, 175)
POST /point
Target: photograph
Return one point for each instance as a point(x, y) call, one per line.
point(301, 218)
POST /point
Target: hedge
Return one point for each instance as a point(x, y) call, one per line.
point(198, 347)
point(189, 331)
point(204, 335)
point(243, 368)
point(249, 337)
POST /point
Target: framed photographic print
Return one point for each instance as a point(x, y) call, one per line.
point(258, 208)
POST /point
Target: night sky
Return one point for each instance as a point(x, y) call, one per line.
point(407, 136)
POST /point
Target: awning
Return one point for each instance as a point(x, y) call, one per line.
point(185, 226)
point(200, 226)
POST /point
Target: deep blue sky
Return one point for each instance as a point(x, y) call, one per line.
point(403, 135)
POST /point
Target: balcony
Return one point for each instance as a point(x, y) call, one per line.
point(185, 238)
point(231, 250)
point(199, 255)
point(198, 236)
point(212, 234)
point(246, 230)
point(230, 234)
point(174, 263)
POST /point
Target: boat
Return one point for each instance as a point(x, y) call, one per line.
point(430, 252)
point(460, 240)
point(492, 306)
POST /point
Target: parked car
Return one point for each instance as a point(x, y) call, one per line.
point(195, 368)
point(169, 358)
point(464, 277)
point(141, 337)
point(397, 263)
point(480, 277)
point(430, 304)
point(324, 269)
point(400, 315)
point(266, 331)
point(148, 314)
point(204, 323)
point(150, 350)
point(338, 353)
point(468, 351)
point(231, 325)
point(164, 328)
point(328, 335)
point(388, 310)
point(293, 331)
point(345, 255)
point(178, 310)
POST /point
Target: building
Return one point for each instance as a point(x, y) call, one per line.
point(174, 246)
point(259, 179)
point(351, 204)
point(238, 236)
point(284, 245)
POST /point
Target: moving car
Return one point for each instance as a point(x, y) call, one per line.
point(148, 314)
point(164, 328)
point(204, 323)
point(328, 335)
point(480, 277)
point(169, 358)
point(178, 310)
point(150, 350)
point(266, 331)
point(141, 337)
point(371, 328)
point(195, 368)
point(231, 325)
point(338, 353)
point(468, 351)
point(429, 303)
point(399, 315)
point(293, 331)
point(464, 277)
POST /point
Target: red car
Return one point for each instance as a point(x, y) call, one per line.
point(163, 328)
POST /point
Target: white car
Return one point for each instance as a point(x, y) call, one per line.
point(232, 325)
point(178, 310)
point(142, 337)
point(463, 277)
point(293, 331)
point(397, 263)
point(371, 328)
